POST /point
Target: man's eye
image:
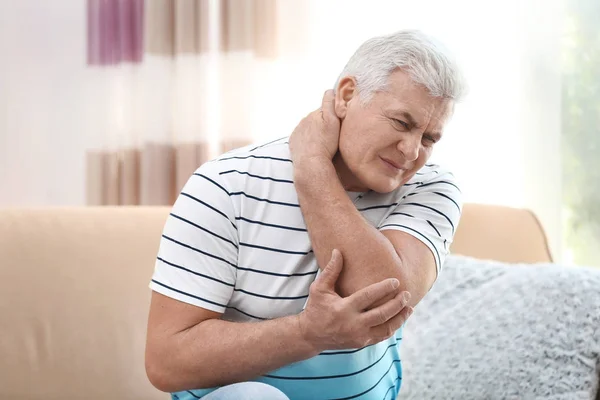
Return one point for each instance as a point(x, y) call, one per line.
point(430, 141)
point(404, 124)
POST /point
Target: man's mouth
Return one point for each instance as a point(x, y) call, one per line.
point(391, 163)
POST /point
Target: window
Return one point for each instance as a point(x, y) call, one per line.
point(581, 132)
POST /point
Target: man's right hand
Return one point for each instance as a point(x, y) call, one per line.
point(331, 322)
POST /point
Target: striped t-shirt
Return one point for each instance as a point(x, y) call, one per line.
point(236, 243)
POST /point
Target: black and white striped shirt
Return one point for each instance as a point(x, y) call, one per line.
point(236, 242)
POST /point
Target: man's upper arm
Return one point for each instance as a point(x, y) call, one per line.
point(421, 228)
point(195, 269)
point(197, 257)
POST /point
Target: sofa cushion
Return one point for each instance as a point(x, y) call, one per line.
point(505, 331)
point(74, 302)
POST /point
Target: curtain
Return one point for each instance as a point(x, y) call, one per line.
point(59, 110)
point(174, 88)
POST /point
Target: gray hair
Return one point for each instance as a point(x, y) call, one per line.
point(425, 59)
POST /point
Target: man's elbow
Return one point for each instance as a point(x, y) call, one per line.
point(414, 277)
point(417, 284)
point(366, 275)
point(166, 376)
point(159, 376)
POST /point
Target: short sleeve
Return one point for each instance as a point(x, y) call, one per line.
point(430, 213)
point(197, 257)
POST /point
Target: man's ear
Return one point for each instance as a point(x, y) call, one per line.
point(345, 92)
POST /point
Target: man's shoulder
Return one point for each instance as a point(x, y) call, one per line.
point(432, 177)
point(433, 183)
point(263, 163)
point(271, 149)
point(431, 173)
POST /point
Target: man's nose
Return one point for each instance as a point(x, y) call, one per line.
point(409, 147)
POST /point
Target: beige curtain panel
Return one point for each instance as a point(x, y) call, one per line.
point(150, 129)
point(182, 26)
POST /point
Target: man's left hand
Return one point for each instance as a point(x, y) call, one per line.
point(317, 136)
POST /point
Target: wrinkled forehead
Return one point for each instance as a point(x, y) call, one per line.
point(424, 110)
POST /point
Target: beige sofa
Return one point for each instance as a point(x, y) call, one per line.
point(74, 293)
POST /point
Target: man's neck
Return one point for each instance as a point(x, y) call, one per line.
point(345, 175)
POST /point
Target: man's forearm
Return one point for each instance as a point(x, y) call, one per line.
point(334, 222)
point(216, 352)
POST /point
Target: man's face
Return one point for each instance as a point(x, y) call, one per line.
point(385, 142)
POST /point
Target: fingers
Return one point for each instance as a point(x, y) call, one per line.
point(386, 311)
point(328, 101)
point(373, 293)
point(328, 107)
point(331, 272)
point(389, 328)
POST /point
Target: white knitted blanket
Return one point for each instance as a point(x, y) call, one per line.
point(494, 331)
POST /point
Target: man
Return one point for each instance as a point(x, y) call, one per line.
point(287, 270)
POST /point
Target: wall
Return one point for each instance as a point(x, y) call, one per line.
point(42, 123)
point(503, 142)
